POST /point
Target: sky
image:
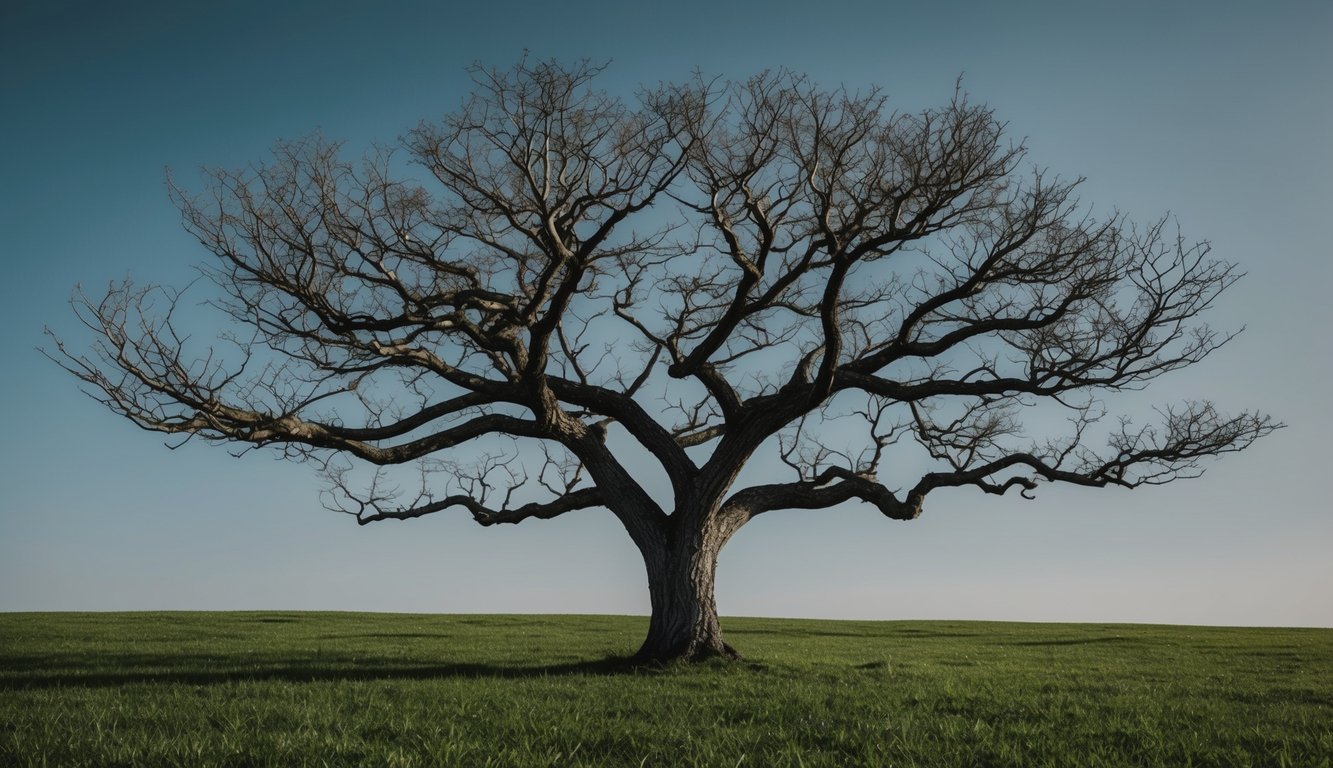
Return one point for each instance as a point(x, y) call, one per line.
point(1223, 119)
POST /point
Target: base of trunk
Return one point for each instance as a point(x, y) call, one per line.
point(683, 652)
point(684, 627)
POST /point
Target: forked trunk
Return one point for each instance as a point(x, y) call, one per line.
point(684, 625)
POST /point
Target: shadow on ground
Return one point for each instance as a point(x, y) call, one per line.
point(56, 672)
point(67, 670)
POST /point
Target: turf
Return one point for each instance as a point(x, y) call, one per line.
point(329, 689)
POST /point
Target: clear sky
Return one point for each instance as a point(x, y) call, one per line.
point(1222, 116)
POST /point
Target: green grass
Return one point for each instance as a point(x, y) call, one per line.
point(243, 689)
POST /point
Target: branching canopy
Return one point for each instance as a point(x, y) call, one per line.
point(711, 267)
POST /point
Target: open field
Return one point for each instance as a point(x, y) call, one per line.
point(242, 689)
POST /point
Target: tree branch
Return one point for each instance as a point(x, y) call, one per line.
point(581, 499)
point(832, 487)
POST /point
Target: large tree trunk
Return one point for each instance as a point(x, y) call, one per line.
point(684, 625)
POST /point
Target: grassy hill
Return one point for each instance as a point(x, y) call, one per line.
point(249, 689)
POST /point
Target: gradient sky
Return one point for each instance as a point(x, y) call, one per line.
point(1222, 117)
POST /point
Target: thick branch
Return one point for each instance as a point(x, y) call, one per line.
point(834, 486)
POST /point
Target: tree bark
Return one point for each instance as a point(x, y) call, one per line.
point(681, 575)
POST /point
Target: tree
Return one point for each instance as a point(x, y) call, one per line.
point(712, 272)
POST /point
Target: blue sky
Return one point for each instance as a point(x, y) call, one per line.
point(1223, 118)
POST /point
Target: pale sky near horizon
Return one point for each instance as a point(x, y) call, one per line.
point(1224, 118)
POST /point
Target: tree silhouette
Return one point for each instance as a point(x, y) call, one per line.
point(709, 272)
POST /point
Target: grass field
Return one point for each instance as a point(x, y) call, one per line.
point(243, 689)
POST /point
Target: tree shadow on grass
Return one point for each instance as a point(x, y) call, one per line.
point(103, 672)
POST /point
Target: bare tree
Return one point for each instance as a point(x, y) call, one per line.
point(712, 271)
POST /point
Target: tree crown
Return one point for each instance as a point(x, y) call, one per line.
point(713, 268)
